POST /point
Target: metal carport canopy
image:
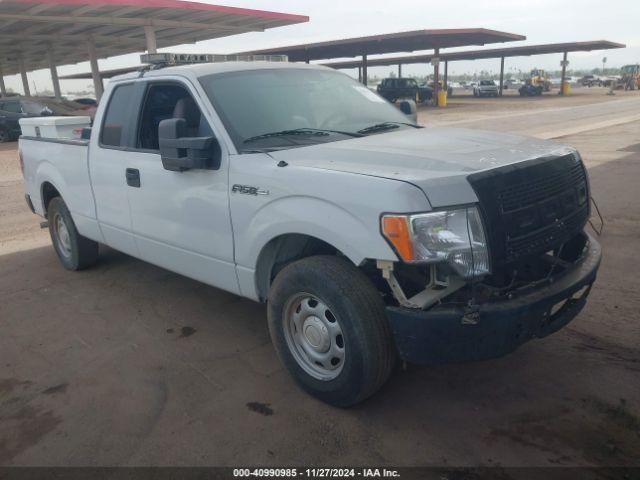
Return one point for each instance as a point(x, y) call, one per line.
point(502, 53)
point(519, 51)
point(38, 34)
point(412, 41)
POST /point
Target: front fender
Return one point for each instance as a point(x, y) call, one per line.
point(356, 238)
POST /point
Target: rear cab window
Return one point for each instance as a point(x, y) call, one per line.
point(117, 118)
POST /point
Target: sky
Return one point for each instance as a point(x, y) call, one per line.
point(542, 21)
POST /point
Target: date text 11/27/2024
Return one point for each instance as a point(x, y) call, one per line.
point(316, 473)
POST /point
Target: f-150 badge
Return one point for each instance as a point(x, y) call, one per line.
point(248, 190)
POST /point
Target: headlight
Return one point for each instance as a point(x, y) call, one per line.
point(452, 236)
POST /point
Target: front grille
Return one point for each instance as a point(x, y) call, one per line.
point(532, 207)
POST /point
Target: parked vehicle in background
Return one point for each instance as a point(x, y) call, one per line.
point(40, 106)
point(13, 108)
point(630, 78)
point(397, 88)
point(513, 83)
point(9, 127)
point(88, 102)
point(591, 81)
point(485, 88)
point(530, 90)
point(370, 239)
point(539, 78)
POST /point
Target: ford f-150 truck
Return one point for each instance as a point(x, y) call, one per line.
point(370, 238)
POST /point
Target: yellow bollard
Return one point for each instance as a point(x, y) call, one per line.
point(566, 89)
point(442, 98)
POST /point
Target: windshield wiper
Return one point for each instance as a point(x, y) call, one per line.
point(379, 127)
point(301, 131)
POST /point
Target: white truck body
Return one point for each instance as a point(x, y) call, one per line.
point(226, 226)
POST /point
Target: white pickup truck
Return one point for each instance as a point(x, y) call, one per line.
point(371, 238)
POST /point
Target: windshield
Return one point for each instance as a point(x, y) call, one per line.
point(285, 108)
point(487, 83)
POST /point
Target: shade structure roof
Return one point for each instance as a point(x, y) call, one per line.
point(412, 41)
point(29, 28)
point(518, 51)
point(114, 72)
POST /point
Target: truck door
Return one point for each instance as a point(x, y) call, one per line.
point(108, 155)
point(180, 220)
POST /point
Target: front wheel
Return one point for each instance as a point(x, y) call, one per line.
point(329, 328)
point(74, 251)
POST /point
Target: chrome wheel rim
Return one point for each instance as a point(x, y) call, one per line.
point(63, 239)
point(314, 336)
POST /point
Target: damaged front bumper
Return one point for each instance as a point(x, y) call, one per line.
point(444, 334)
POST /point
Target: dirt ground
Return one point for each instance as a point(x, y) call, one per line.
point(129, 364)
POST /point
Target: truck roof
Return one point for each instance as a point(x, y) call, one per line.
point(203, 69)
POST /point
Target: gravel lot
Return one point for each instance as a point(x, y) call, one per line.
point(129, 364)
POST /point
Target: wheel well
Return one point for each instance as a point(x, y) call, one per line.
point(281, 251)
point(49, 192)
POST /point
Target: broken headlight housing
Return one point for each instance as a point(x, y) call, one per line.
point(455, 237)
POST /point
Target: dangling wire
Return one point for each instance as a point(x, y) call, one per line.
point(598, 231)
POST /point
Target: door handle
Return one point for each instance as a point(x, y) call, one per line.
point(133, 177)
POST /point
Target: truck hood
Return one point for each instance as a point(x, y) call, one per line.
point(437, 160)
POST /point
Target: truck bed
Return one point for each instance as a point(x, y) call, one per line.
point(61, 164)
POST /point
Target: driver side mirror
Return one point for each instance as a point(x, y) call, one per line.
point(409, 108)
point(180, 152)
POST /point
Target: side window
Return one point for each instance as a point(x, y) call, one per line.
point(117, 119)
point(164, 101)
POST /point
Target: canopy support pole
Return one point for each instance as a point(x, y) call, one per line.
point(445, 82)
point(564, 72)
point(360, 74)
point(501, 75)
point(399, 70)
point(54, 74)
point(3, 88)
point(25, 80)
point(150, 37)
point(436, 75)
point(95, 71)
point(364, 69)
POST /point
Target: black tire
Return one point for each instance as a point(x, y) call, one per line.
point(75, 252)
point(4, 135)
point(369, 353)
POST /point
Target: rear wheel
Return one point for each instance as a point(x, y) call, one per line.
point(74, 251)
point(329, 328)
point(4, 135)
